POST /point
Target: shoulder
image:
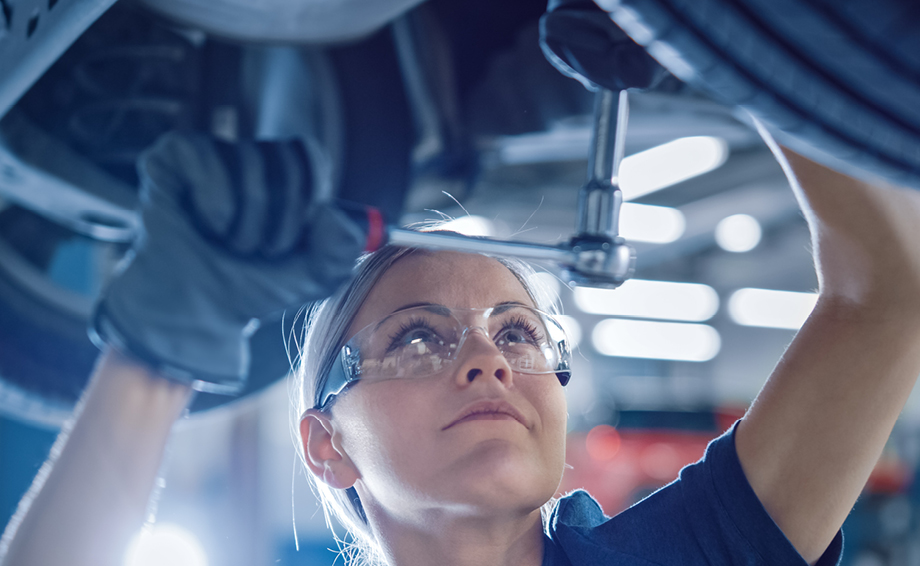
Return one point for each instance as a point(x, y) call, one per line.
point(574, 536)
point(580, 531)
point(579, 510)
point(710, 515)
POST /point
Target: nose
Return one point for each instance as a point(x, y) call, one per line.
point(481, 358)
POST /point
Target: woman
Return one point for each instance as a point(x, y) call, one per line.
point(457, 464)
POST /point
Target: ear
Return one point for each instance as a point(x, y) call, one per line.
point(324, 454)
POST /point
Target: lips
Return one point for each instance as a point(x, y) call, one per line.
point(488, 407)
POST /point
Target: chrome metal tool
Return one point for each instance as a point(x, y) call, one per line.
point(596, 256)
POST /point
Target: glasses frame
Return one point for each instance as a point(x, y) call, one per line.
point(342, 372)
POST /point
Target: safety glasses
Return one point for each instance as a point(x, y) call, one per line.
point(425, 340)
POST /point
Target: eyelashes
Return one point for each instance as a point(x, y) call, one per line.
point(524, 325)
point(420, 329)
point(407, 328)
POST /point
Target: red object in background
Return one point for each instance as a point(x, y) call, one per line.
point(603, 443)
point(619, 468)
point(891, 475)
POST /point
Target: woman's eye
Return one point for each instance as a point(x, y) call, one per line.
point(516, 336)
point(418, 336)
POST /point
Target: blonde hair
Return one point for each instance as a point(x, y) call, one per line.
point(325, 328)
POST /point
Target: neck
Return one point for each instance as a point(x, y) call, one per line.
point(440, 538)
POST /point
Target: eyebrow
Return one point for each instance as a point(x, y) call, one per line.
point(506, 306)
point(442, 310)
point(431, 307)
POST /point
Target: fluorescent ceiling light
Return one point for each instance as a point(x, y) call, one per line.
point(470, 225)
point(771, 309)
point(656, 340)
point(738, 233)
point(572, 329)
point(651, 299)
point(654, 224)
point(668, 164)
point(165, 544)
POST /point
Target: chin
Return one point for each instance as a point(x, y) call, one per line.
point(500, 498)
point(495, 478)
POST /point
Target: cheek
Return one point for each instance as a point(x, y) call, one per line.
point(560, 418)
point(551, 405)
point(385, 426)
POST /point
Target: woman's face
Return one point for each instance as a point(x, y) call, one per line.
point(398, 433)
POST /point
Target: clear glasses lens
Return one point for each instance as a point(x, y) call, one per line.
point(423, 341)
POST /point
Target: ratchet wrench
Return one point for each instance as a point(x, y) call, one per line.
point(596, 256)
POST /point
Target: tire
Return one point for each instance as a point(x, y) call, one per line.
point(836, 81)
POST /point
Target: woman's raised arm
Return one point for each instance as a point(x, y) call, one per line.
point(91, 495)
point(816, 430)
point(232, 233)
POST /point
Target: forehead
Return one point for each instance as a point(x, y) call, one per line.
point(453, 279)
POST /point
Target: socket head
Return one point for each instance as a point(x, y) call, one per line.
point(601, 262)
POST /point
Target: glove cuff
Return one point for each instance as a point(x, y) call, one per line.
point(105, 332)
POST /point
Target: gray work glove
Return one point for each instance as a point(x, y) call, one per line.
point(231, 234)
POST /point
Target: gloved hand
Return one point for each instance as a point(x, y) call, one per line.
point(582, 42)
point(231, 233)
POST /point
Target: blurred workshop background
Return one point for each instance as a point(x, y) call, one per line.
point(451, 112)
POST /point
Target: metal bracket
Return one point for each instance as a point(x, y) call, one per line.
point(42, 174)
point(33, 34)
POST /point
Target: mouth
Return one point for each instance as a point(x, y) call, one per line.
point(492, 410)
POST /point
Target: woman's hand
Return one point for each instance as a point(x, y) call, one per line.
point(232, 233)
point(816, 430)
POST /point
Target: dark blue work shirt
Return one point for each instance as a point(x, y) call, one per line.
point(710, 516)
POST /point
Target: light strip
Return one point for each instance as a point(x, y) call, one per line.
point(641, 298)
point(656, 340)
point(771, 309)
point(668, 164)
point(653, 224)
